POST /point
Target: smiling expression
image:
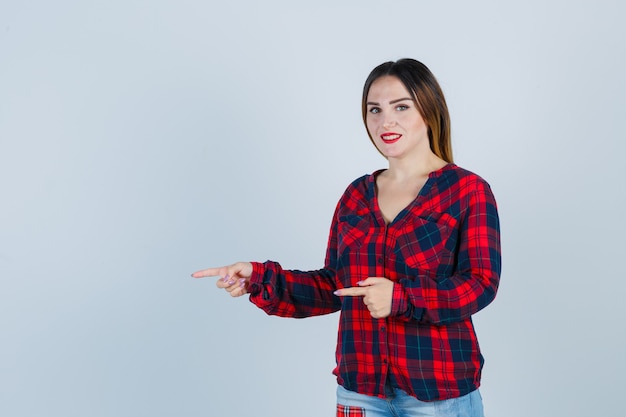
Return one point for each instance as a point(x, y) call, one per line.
point(393, 119)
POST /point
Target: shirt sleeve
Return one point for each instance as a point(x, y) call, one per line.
point(443, 300)
point(294, 293)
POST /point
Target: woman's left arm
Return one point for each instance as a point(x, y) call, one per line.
point(474, 284)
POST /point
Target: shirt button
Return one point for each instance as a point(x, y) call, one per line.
point(385, 360)
point(382, 329)
point(380, 260)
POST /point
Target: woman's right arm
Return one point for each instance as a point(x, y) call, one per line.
point(293, 293)
point(282, 292)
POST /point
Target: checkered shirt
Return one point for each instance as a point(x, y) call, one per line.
point(443, 254)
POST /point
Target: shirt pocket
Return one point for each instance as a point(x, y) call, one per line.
point(428, 242)
point(352, 230)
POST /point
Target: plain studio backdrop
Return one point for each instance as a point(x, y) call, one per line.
point(143, 140)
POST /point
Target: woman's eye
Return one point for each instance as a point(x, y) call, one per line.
point(402, 107)
point(374, 110)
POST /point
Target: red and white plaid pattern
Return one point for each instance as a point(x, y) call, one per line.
point(348, 411)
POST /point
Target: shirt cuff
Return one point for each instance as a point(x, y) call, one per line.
point(399, 300)
point(255, 284)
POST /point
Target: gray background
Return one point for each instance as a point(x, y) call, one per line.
point(143, 140)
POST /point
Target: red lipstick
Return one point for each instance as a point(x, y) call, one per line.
point(390, 137)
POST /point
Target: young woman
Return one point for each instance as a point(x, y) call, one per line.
point(413, 252)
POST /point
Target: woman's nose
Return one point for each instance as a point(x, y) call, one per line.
point(389, 122)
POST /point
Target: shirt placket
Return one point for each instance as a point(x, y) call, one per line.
point(383, 332)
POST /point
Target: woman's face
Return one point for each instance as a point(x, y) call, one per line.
point(393, 120)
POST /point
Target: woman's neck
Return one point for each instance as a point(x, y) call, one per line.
point(417, 167)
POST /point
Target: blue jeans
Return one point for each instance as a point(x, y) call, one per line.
point(352, 404)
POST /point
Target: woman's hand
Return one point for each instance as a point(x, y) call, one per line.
point(376, 292)
point(233, 278)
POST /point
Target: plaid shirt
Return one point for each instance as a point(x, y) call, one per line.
point(443, 254)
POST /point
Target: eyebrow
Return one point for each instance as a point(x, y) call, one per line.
point(391, 102)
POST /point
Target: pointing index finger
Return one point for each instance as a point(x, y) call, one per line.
point(351, 292)
point(210, 272)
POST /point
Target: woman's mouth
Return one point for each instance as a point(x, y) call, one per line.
point(390, 137)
